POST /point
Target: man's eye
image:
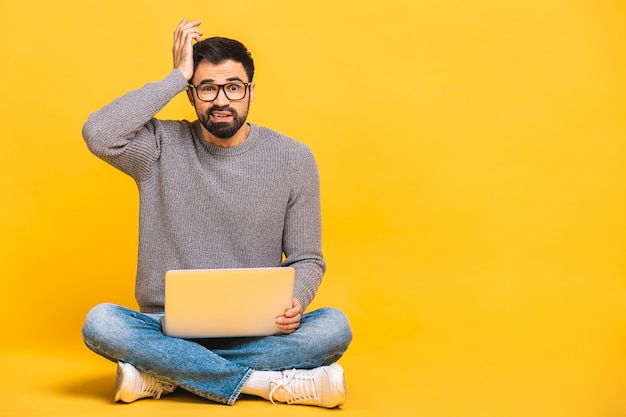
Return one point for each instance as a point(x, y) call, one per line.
point(207, 88)
point(234, 87)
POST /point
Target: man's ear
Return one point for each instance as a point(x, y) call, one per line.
point(251, 92)
point(190, 96)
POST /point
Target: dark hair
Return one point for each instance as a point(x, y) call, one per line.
point(217, 50)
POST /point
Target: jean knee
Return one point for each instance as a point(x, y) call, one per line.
point(98, 322)
point(337, 327)
point(343, 326)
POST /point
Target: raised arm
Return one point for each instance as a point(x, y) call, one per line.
point(124, 133)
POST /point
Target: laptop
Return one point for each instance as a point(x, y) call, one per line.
point(210, 303)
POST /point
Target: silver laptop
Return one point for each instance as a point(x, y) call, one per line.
point(204, 303)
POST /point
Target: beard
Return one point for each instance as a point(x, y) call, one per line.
point(223, 130)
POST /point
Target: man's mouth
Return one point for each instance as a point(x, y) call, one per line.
point(220, 116)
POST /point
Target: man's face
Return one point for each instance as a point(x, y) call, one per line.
point(222, 117)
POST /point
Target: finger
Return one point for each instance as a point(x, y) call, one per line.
point(190, 28)
point(179, 29)
point(293, 312)
point(185, 24)
point(182, 22)
point(289, 328)
point(183, 37)
point(292, 320)
point(183, 42)
point(186, 27)
point(189, 37)
point(192, 23)
point(286, 320)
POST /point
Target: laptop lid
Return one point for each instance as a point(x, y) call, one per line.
point(204, 303)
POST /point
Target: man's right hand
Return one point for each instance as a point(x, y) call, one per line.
point(185, 33)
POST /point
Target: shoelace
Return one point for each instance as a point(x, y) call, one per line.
point(297, 389)
point(155, 387)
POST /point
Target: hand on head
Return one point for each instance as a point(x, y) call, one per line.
point(186, 32)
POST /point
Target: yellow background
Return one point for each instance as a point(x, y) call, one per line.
point(472, 156)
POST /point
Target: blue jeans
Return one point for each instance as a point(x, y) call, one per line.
point(216, 369)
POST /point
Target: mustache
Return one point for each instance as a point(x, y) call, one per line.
point(222, 108)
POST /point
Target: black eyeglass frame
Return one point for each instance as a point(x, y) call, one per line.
point(221, 87)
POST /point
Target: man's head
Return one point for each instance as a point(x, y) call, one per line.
point(222, 88)
point(217, 50)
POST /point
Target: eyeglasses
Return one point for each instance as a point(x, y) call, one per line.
point(232, 91)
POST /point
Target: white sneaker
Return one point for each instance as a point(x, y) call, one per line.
point(133, 384)
point(323, 387)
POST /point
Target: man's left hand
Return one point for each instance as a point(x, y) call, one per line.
point(290, 322)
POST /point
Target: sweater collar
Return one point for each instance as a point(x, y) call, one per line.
point(215, 150)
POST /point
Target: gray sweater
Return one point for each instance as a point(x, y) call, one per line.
point(203, 206)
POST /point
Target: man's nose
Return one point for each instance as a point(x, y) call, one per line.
point(221, 98)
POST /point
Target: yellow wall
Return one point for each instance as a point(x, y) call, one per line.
point(472, 156)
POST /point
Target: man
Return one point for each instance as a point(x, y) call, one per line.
point(216, 193)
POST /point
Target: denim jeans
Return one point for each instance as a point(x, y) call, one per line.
point(216, 369)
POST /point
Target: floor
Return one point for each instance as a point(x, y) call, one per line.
point(70, 382)
point(382, 379)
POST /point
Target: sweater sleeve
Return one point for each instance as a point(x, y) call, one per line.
point(302, 234)
point(125, 134)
